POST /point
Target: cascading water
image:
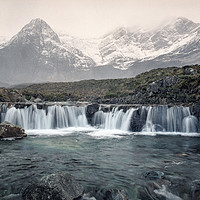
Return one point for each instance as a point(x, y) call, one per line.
point(147, 119)
point(3, 110)
point(174, 119)
point(53, 117)
point(116, 119)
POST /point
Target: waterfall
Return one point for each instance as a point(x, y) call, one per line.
point(3, 110)
point(53, 117)
point(174, 119)
point(116, 119)
point(146, 119)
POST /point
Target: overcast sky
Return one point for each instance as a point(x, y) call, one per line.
point(93, 18)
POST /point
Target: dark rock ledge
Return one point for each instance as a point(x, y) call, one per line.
point(8, 130)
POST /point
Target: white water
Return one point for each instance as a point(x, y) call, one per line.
point(159, 119)
point(174, 119)
point(116, 119)
point(53, 117)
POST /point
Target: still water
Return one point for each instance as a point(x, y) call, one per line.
point(96, 158)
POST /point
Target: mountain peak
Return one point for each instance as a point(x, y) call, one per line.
point(180, 25)
point(36, 28)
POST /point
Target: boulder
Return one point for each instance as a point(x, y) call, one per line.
point(138, 119)
point(8, 130)
point(196, 190)
point(151, 175)
point(189, 71)
point(91, 109)
point(106, 194)
point(59, 186)
point(36, 192)
point(160, 186)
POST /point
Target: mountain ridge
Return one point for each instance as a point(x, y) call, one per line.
point(39, 54)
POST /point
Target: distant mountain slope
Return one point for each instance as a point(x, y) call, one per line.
point(38, 54)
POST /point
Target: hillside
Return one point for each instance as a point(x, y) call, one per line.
point(159, 86)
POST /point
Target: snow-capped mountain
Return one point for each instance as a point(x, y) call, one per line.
point(122, 47)
point(3, 39)
point(38, 54)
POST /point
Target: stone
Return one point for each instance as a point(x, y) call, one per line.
point(162, 186)
point(189, 71)
point(153, 87)
point(90, 111)
point(13, 197)
point(8, 130)
point(40, 192)
point(106, 194)
point(151, 175)
point(138, 119)
point(58, 186)
point(196, 190)
point(115, 194)
point(169, 81)
point(37, 100)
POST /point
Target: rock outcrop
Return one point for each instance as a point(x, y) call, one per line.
point(90, 111)
point(8, 130)
point(59, 186)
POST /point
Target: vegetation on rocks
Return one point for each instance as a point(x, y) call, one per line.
point(171, 85)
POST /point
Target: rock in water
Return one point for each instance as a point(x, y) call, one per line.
point(59, 186)
point(39, 192)
point(115, 194)
point(90, 111)
point(8, 130)
point(106, 194)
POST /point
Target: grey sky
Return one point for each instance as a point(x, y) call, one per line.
point(93, 18)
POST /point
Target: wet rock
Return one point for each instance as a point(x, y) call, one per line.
point(147, 192)
point(138, 119)
point(90, 111)
point(8, 130)
point(59, 186)
point(151, 175)
point(159, 186)
point(195, 190)
point(37, 100)
point(115, 194)
point(106, 194)
point(40, 192)
point(13, 197)
point(195, 110)
point(179, 186)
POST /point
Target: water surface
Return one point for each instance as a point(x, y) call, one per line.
point(96, 158)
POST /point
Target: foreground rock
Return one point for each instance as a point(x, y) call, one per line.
point(106, 194)
point(159, 186)
point(8, 130)
point(60, 186)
